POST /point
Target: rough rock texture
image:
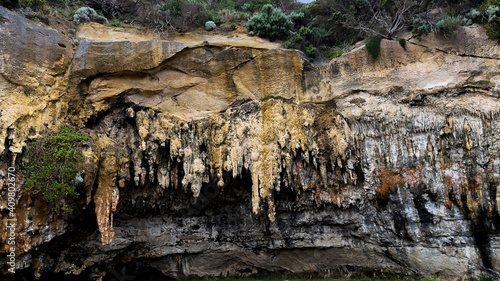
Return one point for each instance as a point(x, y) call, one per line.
point(33, 63)
point(389, 164)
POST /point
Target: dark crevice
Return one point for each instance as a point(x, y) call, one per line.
point(242, 63)
point(480, 232)
point(118, 104)
point(450, 53)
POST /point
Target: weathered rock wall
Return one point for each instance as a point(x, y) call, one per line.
point(389, 164)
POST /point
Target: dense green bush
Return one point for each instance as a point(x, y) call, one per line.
point(51, 165)
point(294, 39)
point(420, 28)
point(493, 22)
point(332, 53)
point(255, 5)
point(311, 52)
point(373, 46)
point(449, 25)
point(402, 43)
point(489, 15)
point(271, 23)
point(210, 25)
point(87, 14)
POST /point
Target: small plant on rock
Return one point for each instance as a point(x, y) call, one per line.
point(493, 22)
point(420, 28)
point(210, 26)
point(449, 25)
point(51, 167)
point(373, 46)
point(402, 43)
point(311, 52)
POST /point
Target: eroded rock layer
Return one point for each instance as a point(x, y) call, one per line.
point(388, 164)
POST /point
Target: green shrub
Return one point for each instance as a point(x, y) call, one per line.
point(402, 43)
point(271, 23)
point(474, 14)
point(493, 22)
point(449, 24)
point(51, 165)
point(489, 15)
point(294, 38)
point(305, 31)
point(210, 25)
point(420, 28)
point(492, 13)
point(115, 22)
point(255, 5)
point(87, 14)
point(373, 46)
point(9, 4)
point(216, 18)
point(311, 52)
point(333, 53)
point(233, 26)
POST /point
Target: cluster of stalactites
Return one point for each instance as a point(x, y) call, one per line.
point(455, 156)
point(264, 138)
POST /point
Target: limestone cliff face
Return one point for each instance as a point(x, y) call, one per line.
point(389, 164)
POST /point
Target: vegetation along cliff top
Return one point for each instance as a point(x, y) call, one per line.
point(322, 29)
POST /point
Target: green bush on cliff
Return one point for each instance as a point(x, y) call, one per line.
point(86, 14)
point(449, 25)
point(210, 25)
point(51, 164)
point(311, 52)
point(271, 23)
point(402, 43)
point(492, 14)
point(420, 28)
point(373, 46)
